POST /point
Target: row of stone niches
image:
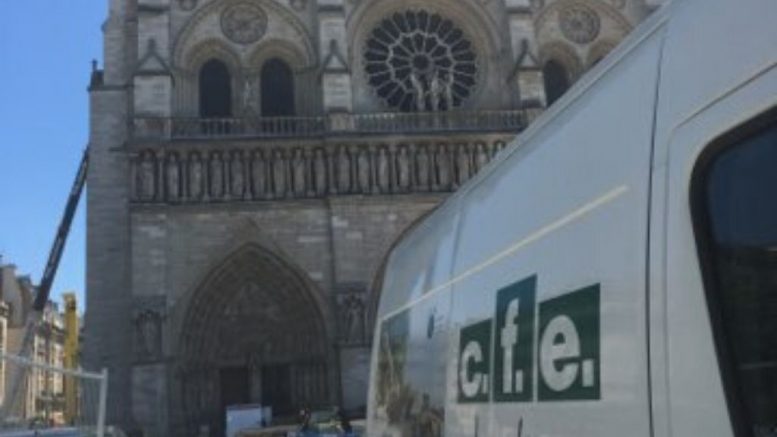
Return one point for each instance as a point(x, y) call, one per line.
point(275, 173)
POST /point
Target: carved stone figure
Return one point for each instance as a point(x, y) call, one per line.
point(481, 156)
point(279, 172)
point(382, 170)
point(418, 92)
point(403, 170)
point(148, 327)
point(172, 178)
point(258, 175)
point(320, 172)
point(249, 96)
point(216, 173)
point(147, 177)
point(435, 92)
point(195, 181)
point(343, 170)
point(352, 313)
point(494, 148)
point(299, 179)
point(449, 101)
point(363, 169)
point(422, 162)
point(463, 164)
point(237, 175)
point(442, 163)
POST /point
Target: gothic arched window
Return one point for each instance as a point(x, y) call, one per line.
point(556, 80)
point(419, 61)
point(277, 89)
point(215, 90)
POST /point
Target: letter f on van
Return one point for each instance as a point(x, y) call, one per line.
point(514, 345)
point(509, 337)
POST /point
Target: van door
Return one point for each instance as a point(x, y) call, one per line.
point(714, 262)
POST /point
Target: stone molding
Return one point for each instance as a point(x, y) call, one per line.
point(191, 175)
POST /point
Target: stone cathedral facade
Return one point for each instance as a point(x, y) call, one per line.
point(254, 161)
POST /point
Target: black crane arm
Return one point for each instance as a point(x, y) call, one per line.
point(44, 289)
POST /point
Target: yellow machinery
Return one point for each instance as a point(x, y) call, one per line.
point(71, 356)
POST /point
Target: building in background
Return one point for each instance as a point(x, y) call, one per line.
point(253, 162)
point(44, 391)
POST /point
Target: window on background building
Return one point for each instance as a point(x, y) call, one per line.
point(277, 89)
point(556, 80)
point(215, 90)
point(736, 215)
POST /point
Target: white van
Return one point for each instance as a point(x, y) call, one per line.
point(614, 272)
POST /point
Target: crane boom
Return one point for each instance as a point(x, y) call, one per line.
point(44, 289)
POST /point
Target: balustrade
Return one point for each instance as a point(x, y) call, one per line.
point(378, 123)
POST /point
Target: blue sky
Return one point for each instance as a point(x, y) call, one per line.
point(46, 48)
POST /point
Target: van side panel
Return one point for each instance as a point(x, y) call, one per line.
point(719, 71)
point(548, 321)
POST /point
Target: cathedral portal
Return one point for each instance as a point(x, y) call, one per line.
point(253, 333)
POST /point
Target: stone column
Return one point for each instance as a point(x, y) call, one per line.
point(335, 73)
point(527, 73)
point(153, 81)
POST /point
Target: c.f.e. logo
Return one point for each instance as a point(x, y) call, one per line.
point(560, 337)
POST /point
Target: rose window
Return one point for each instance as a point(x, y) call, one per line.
point(420, 61)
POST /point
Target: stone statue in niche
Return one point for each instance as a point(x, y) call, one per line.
point(279, 173)
point(172, 178)
point(344, 180)
point(352, 315)
point(195, 176)
point(363, 169)
point(463, 165)
point(422, 168)
point(258, 175)
point(403, 168)
point(237, 174)
point(147, 177)
point(148, 334)
point(320, 172)
point(298, 163)
point(216, 171)
point(443, 165)
point(382, 171)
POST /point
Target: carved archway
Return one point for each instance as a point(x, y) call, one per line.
point(254, 331)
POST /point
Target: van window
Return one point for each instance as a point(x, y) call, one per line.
point(737, 194)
